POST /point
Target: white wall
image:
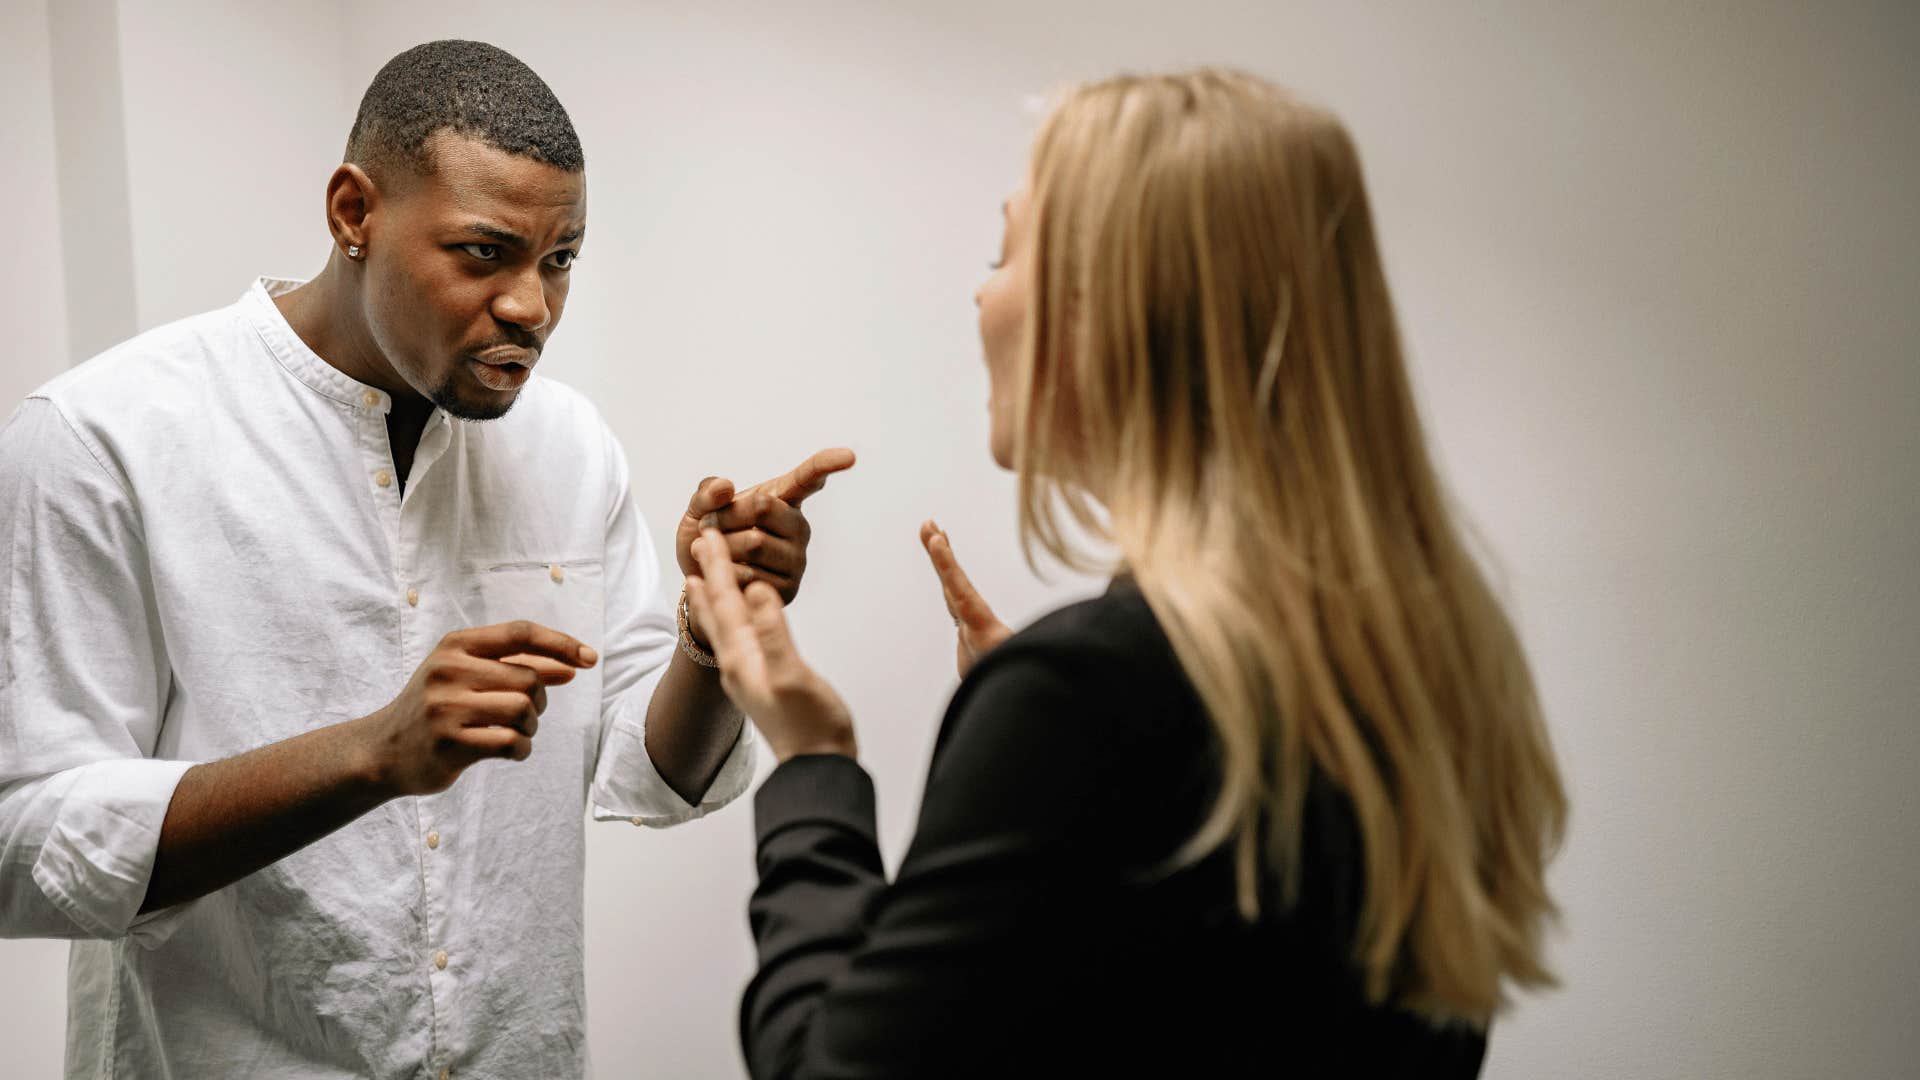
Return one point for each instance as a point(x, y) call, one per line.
point(32, 274)
point(236, 114)
point(90, 152)
point(1656, 270)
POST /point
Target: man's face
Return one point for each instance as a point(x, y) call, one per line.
point(467, 272)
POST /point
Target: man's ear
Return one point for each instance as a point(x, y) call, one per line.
point(351, 200)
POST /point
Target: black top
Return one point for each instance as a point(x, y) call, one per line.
point(1032, 929)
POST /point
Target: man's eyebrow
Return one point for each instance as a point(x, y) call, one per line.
point(495, 232)
point(1003, 209)
point(514, 239)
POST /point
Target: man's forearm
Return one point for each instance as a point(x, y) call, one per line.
point(691, 727)
point(231, 817)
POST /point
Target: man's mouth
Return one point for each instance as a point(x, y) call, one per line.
point(503, 367)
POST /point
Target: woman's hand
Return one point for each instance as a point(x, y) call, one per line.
point(759, 667)
point(979, 629)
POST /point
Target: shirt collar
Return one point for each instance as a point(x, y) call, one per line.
point(302, 362)
point(293, 354)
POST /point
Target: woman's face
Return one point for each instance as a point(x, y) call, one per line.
point(1002, 300)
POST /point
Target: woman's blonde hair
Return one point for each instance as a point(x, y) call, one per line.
point(1213, 384)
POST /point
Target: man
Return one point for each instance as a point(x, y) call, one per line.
point(277, 540)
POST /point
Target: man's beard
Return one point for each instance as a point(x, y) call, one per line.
point(447, 397)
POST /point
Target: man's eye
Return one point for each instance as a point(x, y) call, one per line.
point(564, 258)
point(483, 252)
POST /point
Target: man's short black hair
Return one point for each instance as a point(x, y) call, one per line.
point(467, 87)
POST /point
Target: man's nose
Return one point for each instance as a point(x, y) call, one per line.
point(523, 303)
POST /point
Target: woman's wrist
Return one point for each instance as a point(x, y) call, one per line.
point(845, 748)
point(843, 745)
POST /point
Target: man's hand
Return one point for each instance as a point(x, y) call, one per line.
point(691, 721)
point(478, 695)
point(765, 532)
point(759, 667)
point(975, 624)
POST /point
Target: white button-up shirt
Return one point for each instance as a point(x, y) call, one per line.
point(203, 550)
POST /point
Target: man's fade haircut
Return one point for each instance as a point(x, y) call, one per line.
point(469, 88)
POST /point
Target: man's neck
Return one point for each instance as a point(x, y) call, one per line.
point(328, 318)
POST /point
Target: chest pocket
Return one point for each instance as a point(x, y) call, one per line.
point(568, 595)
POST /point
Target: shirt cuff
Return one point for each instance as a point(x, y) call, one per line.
point(815, 789)
point(98, 856)
point(627, 786)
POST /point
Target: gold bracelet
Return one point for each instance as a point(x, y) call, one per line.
point(687, 645)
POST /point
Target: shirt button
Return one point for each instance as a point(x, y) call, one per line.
point(440, 959)
point(556, 573)
point(370, 399)
point(413, 597)
point(433, 840)
point(383, 478)
point(636, 820)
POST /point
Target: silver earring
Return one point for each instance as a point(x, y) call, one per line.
point(353, 251)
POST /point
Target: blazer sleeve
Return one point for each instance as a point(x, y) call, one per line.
point(947, 968)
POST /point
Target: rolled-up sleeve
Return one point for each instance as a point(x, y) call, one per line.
point(85, 837)
point(83, 686)
point(641, 637)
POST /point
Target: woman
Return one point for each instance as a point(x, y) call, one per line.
point(1280, 801)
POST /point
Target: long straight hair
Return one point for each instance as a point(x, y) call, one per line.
point(1213, 384)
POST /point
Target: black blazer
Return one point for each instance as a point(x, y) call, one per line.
point(1032, 929)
